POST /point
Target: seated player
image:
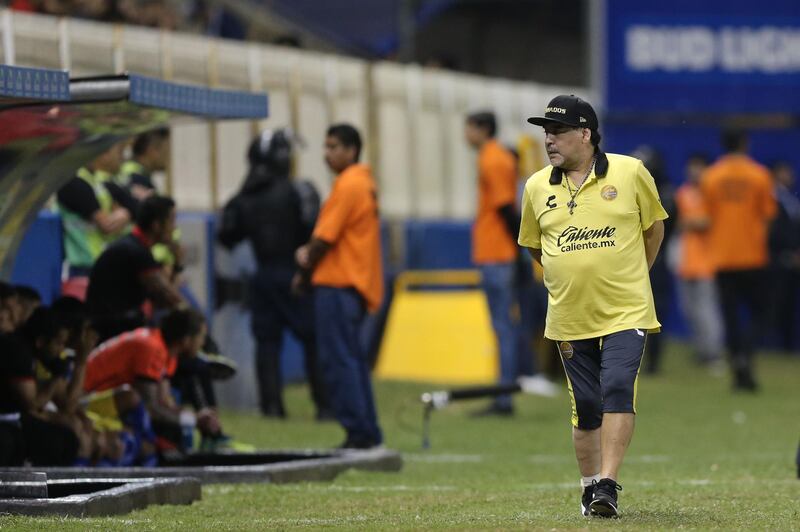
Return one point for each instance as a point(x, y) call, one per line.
point(145, 359)
point(126, 275)
point(29, 432)
point(116, 441)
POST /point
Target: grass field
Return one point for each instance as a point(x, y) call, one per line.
point(702, 458)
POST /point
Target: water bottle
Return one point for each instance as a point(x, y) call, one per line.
point(188, 422)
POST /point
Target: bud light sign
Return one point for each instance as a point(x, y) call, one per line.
point(684, 59)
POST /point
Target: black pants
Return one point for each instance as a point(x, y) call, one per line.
point(743, 289)
point(784, 290)
point(12, 445)
point(48, 444)
point(274, 310)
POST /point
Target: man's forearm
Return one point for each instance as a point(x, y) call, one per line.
point(652, 242)
point(150, 394)
point(310, 255)
point(162, 291)
point(536, 254)
point(510, 220)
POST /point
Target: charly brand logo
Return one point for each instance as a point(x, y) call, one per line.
point(559, 110)
point(577, 239)
point(566, 349)
point(609, 193)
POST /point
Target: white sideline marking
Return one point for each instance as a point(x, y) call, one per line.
point(366, 489)
point(695, 482)
point(312, 521)
point(443, 458)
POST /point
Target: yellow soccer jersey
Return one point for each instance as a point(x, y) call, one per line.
point(594, 262)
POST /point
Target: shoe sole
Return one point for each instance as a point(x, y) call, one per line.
point(603, 509)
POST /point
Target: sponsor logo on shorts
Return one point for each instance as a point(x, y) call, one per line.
point(566, 349)
point(609, 193)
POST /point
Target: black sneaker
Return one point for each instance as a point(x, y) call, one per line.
point(604, 503)
point(586, 500)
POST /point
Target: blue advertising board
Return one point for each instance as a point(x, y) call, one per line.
point(709, 57)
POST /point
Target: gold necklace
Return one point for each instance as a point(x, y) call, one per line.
point(571, 204)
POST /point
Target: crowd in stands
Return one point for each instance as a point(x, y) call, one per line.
point(117, 371)
point(195, 16)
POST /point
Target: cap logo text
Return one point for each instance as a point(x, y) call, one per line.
point(559, 110)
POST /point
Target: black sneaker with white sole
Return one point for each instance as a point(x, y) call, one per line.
point(586, 499)
point(604, 502)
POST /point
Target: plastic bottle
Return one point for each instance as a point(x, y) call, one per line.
point(188, 421)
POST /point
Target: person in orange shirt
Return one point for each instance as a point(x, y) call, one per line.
point(343, 263)
point(697, 290)
point(494, 236)
point(145, 359)
point(739, 195)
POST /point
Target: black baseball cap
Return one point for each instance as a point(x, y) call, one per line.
point(569, 110)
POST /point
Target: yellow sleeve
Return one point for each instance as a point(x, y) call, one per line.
point(650, 209)
point(530, 235)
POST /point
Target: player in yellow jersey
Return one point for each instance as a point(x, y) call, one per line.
point(594, 222)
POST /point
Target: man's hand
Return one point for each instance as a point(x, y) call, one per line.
point(303, 257)
point(208, 422)
point(300, 284)
point(86, 342)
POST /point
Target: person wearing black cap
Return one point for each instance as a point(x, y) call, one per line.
point(595, 223)
point(277, 215)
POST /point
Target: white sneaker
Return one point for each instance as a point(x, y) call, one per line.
point(538, 385)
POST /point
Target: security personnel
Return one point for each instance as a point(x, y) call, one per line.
point(276, 215)
point(94, 212)
point(594, 222)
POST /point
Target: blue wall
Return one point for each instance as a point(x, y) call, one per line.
point(40, 255)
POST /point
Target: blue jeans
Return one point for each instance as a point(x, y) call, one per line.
point(340, 313)
point(498, 283)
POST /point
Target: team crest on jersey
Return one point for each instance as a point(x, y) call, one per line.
point(566, 349)
point(609, 193)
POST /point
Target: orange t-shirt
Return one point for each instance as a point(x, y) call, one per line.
point(696, 259)
point(349, 222)
point(739, 196)
point(497, 186)
point(138, 354)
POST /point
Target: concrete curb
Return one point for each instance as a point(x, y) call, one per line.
point(133, 494)
point(308, 465)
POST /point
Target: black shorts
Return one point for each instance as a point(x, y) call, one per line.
point(602, 375)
